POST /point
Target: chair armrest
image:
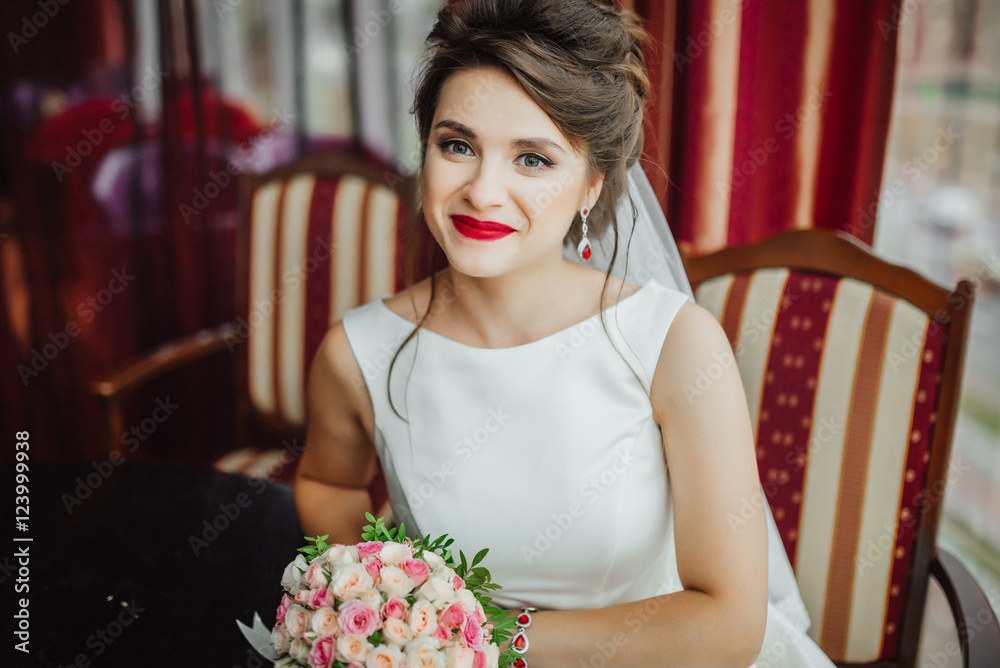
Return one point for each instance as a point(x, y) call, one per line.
point(978, 631)
point(163, 359)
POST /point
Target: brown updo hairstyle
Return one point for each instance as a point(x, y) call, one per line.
point(581, 61)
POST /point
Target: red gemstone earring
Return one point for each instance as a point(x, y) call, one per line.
point(583, 248)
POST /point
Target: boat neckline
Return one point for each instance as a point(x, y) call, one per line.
point(381, 302)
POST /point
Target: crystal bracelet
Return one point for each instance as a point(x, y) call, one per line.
point(519, 643)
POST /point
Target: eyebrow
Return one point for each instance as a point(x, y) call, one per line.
point(520, 144)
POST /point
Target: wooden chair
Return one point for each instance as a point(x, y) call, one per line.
point(852, 368)
point(317, 237)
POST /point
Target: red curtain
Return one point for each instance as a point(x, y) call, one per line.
point(115, 254)
point(768, 115)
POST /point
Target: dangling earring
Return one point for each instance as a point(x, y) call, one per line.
point(583, 248)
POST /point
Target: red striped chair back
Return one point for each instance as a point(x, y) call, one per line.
point(319, 236)
point(851, 368)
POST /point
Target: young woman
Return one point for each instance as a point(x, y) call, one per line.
point(535, 405)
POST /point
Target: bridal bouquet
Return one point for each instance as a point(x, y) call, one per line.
point(388, 602)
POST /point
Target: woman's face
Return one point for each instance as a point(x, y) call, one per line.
point(501, 184)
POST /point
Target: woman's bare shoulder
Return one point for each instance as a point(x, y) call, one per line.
point(694, 342)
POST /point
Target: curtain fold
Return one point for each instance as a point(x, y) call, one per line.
point(777, 116)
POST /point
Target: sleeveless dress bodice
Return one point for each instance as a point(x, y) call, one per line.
point(547, 453)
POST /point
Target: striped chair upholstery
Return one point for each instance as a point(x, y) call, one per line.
point(843, 381)
point(319, 237)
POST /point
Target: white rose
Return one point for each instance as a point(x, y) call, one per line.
point(434, 560)
point(467, 599)
point(372, 599)
point(457, 656)
point(351, 647)
point(492, 653)
point(395, 553)
point(296, 620)
point(292, 576)
point(424, 653)
point(325, 622)
point(396, 631)
point(395, 582)
point(384, 656)
point(280, 639)
point(351, 580)
point(299, 650)
point(423, 618)
point(437, 590)
point(338, 556)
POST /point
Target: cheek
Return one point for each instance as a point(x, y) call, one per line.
point(551, 199)
point(441, 180)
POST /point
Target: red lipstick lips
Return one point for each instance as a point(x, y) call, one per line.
point(485, 230)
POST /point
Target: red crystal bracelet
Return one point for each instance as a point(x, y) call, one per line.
point(519, 643)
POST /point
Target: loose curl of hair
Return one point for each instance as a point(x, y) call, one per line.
point(582, 63)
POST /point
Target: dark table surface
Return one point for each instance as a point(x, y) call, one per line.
point(151, 568)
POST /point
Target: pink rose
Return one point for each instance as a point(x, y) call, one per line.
point(472, 633)
point(302, 596)
point(479, 661)
point(394, 607)
point(283, 608)
point(321, 654)
point(315, 577)
point(418, 571)
point(423, 618)
point(373, 567)
point(355, 664)
point(297, 620)
point(453, 616)
point(325, 622)
point(369, 549)
point(458, 583)
point(442, 634)
point(359, 619)
point(321, 598)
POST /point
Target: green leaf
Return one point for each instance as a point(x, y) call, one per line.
point(479, 555)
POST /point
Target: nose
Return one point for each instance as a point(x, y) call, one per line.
point(486, 187)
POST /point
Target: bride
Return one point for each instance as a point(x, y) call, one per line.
point(535, 402)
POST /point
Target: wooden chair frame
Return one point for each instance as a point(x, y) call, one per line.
point(840, 254)
point(110, 390)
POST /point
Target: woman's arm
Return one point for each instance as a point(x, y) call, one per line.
point(339, 460)
point(719, 617)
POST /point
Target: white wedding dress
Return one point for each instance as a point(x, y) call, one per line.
point(547, 453)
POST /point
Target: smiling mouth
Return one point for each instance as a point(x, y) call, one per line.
point(480, 229)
